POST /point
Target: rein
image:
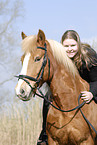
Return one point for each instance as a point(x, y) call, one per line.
point(38, 79)
point(78, 107)
point(45, 98)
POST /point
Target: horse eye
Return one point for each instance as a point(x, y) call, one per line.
point(37, 59)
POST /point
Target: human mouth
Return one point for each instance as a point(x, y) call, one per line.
point(71, 51)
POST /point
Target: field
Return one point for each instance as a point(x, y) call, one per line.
point(21, 125)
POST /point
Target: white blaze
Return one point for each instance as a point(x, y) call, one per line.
point(23, 72)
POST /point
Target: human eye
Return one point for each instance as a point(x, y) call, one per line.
point(66, 45)
point(73, 45)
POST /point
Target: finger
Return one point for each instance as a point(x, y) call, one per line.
point(83, 95)
point(84, 91)
point(87, 101)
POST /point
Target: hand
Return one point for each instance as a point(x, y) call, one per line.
point(86, 96)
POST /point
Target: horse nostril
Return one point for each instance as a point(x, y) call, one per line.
point(22, 91)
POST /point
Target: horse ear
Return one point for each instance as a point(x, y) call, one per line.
point(41, 37)
point(23, 35)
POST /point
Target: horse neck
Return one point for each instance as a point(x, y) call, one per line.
point(65, 87)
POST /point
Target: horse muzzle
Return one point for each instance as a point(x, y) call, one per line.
point(24, 92)
point(25, 97)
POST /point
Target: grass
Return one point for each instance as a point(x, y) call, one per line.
point(21, 125)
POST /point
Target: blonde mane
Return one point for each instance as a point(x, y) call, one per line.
point(61, 56)
point(29, 44)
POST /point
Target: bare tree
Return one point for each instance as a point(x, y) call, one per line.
point(11, 12)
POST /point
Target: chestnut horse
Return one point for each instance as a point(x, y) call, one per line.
point(47, 61)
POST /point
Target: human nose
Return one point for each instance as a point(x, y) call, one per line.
point(69, 48)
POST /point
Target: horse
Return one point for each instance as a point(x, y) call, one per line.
point(45, 60)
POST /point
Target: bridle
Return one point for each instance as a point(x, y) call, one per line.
point(39, 78)
point(41, 71)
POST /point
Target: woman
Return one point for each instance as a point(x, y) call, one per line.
point(85, 59)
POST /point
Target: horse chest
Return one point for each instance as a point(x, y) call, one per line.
point(63, 129)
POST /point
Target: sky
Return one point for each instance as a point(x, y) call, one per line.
point(54, 17)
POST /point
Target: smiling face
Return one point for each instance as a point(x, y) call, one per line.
point(71, 47)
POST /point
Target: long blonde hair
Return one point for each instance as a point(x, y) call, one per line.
point(85, 53)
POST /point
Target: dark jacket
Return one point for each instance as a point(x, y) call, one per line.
point(90, 75)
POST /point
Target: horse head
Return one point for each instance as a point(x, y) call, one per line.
point(36, 67)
